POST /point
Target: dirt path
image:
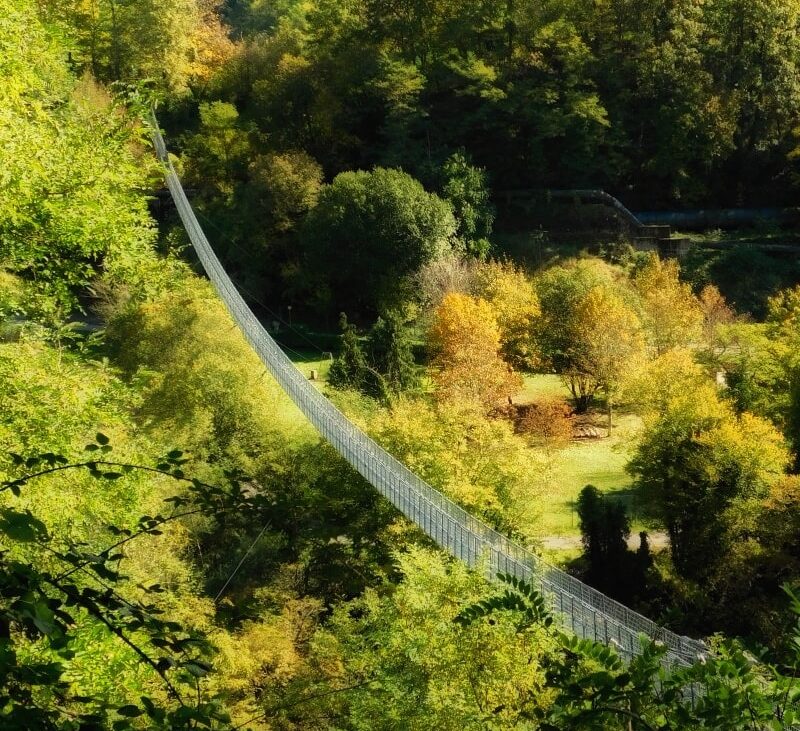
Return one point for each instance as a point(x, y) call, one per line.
point(657, 539)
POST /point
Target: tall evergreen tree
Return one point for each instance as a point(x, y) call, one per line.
point(349, 369)
point(605, 528)
point(390, 351)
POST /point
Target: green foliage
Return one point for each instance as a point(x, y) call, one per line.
point(349, 369)
point(382, 222)
point(568, 330)
point(656, 101)
point(465, 187)
point(198, 378)
point(765, 275)
point(74, 171)
point(605, 529)
point(521, 597)
point(694, 464)
point(755, 363)
point(440, 445)
point(287, 186)
point(168, 43)
point(593, 688)
point(258, 16)
point(218, 152)
point(46, 605)
point(397, 658)
point(383, 367)
point(391, 352)
point(694, 102)
point(50, 400)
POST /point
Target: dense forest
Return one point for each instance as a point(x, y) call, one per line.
point(180, 550)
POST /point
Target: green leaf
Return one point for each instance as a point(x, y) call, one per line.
point(43, 618)
point(22, 527)
point(101, 438)
point(164, 663)
point(197, 668)
point(130, 711)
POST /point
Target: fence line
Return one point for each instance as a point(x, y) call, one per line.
point(583, 610)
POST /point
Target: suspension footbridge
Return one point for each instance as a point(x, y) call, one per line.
point(582, 610)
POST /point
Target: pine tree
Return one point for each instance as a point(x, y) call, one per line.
point(349, 369)
point(390, 352)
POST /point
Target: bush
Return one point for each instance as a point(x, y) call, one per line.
point(548, 422)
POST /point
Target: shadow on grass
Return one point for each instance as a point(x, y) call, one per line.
point(639, 510)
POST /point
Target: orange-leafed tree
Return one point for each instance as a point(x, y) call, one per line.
point(465, 339)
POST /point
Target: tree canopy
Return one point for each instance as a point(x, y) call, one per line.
point(382, 222)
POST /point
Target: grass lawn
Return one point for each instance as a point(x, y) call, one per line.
point(599, 462)
point(539, 386)
point(308, 360)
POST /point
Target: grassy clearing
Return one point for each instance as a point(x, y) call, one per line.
point(600, 462)
point(311, 360)
point(541, 386)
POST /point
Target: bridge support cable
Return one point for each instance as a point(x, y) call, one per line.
point(583, 610)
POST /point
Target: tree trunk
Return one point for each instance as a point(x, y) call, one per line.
point(116, 55)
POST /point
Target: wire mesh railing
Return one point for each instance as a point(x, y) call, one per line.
point(583, 610)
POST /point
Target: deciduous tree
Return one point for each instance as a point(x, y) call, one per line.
point(672, 315)
point(561, 291)
point(694, 464)
point(172, 42)
point(513, 298)
point(217, 155)
point(286, 187)
point(370, 232)
point(71, 202)
point(610, 343)
point(465, 339)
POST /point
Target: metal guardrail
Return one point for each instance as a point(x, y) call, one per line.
point(583, 610)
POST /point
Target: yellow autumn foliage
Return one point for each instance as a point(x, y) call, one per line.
point(465, 338)
point(263, 655)
point(477, 461)
point(673, 316)
point(753, 445)
point(612, 337)
point(516, 308)
point(210, 47)
point(674, 380)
